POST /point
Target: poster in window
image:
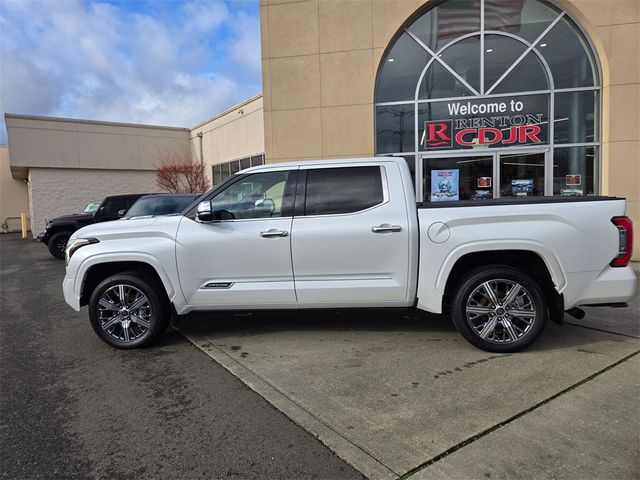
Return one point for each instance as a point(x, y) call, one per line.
point(571, 192)
point(482, 195)
point(445, 185)
point(522, 187)
point(484, 182)
point(573, 179)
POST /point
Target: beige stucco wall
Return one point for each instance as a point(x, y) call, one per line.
point(49, 142)
point(63, 191)
point(320, 59)
point(13, 194)
point(235, 133)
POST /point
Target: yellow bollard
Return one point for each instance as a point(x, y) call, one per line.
point(23, 224)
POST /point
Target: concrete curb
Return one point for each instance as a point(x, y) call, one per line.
point(348, 451)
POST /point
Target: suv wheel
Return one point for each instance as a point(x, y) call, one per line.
point(126, 312)
point(499, 309)
point(58, 243)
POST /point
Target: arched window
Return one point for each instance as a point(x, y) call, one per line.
point(499, 97)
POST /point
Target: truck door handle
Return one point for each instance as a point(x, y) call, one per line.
point(385, 227)
point(274, 233)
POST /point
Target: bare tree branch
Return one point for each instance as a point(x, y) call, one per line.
point(177, 172)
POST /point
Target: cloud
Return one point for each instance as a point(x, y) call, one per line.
point(162, 63)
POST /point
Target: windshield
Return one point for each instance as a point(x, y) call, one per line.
point(160, 205)
point(91, 207)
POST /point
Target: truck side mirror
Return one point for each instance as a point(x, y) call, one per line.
point(99, 212)
point(204, 213)
point(121, 212)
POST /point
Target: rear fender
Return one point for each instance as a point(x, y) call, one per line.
point(548, 257)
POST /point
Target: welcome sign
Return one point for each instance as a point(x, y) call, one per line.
point(495, 122)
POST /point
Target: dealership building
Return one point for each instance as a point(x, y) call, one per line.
point(510, 97)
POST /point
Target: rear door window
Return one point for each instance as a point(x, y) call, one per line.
point(333, 191)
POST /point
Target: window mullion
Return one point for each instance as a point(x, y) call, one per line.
point(526, 52)
point(443, 63)
point(481, 47)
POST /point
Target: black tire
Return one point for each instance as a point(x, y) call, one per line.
point(157, 314)
point(58, 243)
point(500, 325)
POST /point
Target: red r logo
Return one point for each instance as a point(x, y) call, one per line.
point(437, 134)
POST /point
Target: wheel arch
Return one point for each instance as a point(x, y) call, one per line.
point(529, 261)
point(95, 273)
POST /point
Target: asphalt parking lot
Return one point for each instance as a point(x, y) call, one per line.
point(72, 407)
point(391, 393)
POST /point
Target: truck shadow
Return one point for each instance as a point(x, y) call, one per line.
point(220, 325)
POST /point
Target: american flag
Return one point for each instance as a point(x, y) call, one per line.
point(457, 17)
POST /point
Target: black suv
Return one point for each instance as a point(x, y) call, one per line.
point(60, 228)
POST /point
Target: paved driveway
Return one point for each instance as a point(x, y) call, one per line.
point(401, 394)
point(72, 407)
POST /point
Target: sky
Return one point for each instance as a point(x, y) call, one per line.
point(159, 62)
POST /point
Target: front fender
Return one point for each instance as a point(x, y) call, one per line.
point(168, 279)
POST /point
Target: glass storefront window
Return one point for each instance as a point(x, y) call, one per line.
point(446, 22)
point(491, 77)
point(226, 170)
point(488, 123)
point(395, 127)
point(464, 59)
point(528, 74)
point(574, 117)
point(257, 160)
point(574, 171)
point(223, 171)
point(438, 82)
point(400, 71)
point(457, 178)
point(525, 18)
point(217, 174)
point(521, 175)
point(499, 53)
point(564, 50)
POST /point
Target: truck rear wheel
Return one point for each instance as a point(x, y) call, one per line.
point(499, 309)
point(126, 311)
point(58, 243)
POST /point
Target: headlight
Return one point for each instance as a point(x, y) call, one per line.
point(49, 226)
point(74, 245)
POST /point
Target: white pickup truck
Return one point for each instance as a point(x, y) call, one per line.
point(349, 234)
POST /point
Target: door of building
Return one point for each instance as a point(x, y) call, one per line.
point(478, 175)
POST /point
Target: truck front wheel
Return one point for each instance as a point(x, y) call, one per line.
point(126, 310)
point(499, 309)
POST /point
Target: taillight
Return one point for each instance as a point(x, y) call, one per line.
point(625, 241)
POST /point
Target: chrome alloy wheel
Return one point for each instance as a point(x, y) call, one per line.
point(124, 313)
point(500, 311)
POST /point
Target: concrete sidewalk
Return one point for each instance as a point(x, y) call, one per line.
point(588, 432)
point(390, 392)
